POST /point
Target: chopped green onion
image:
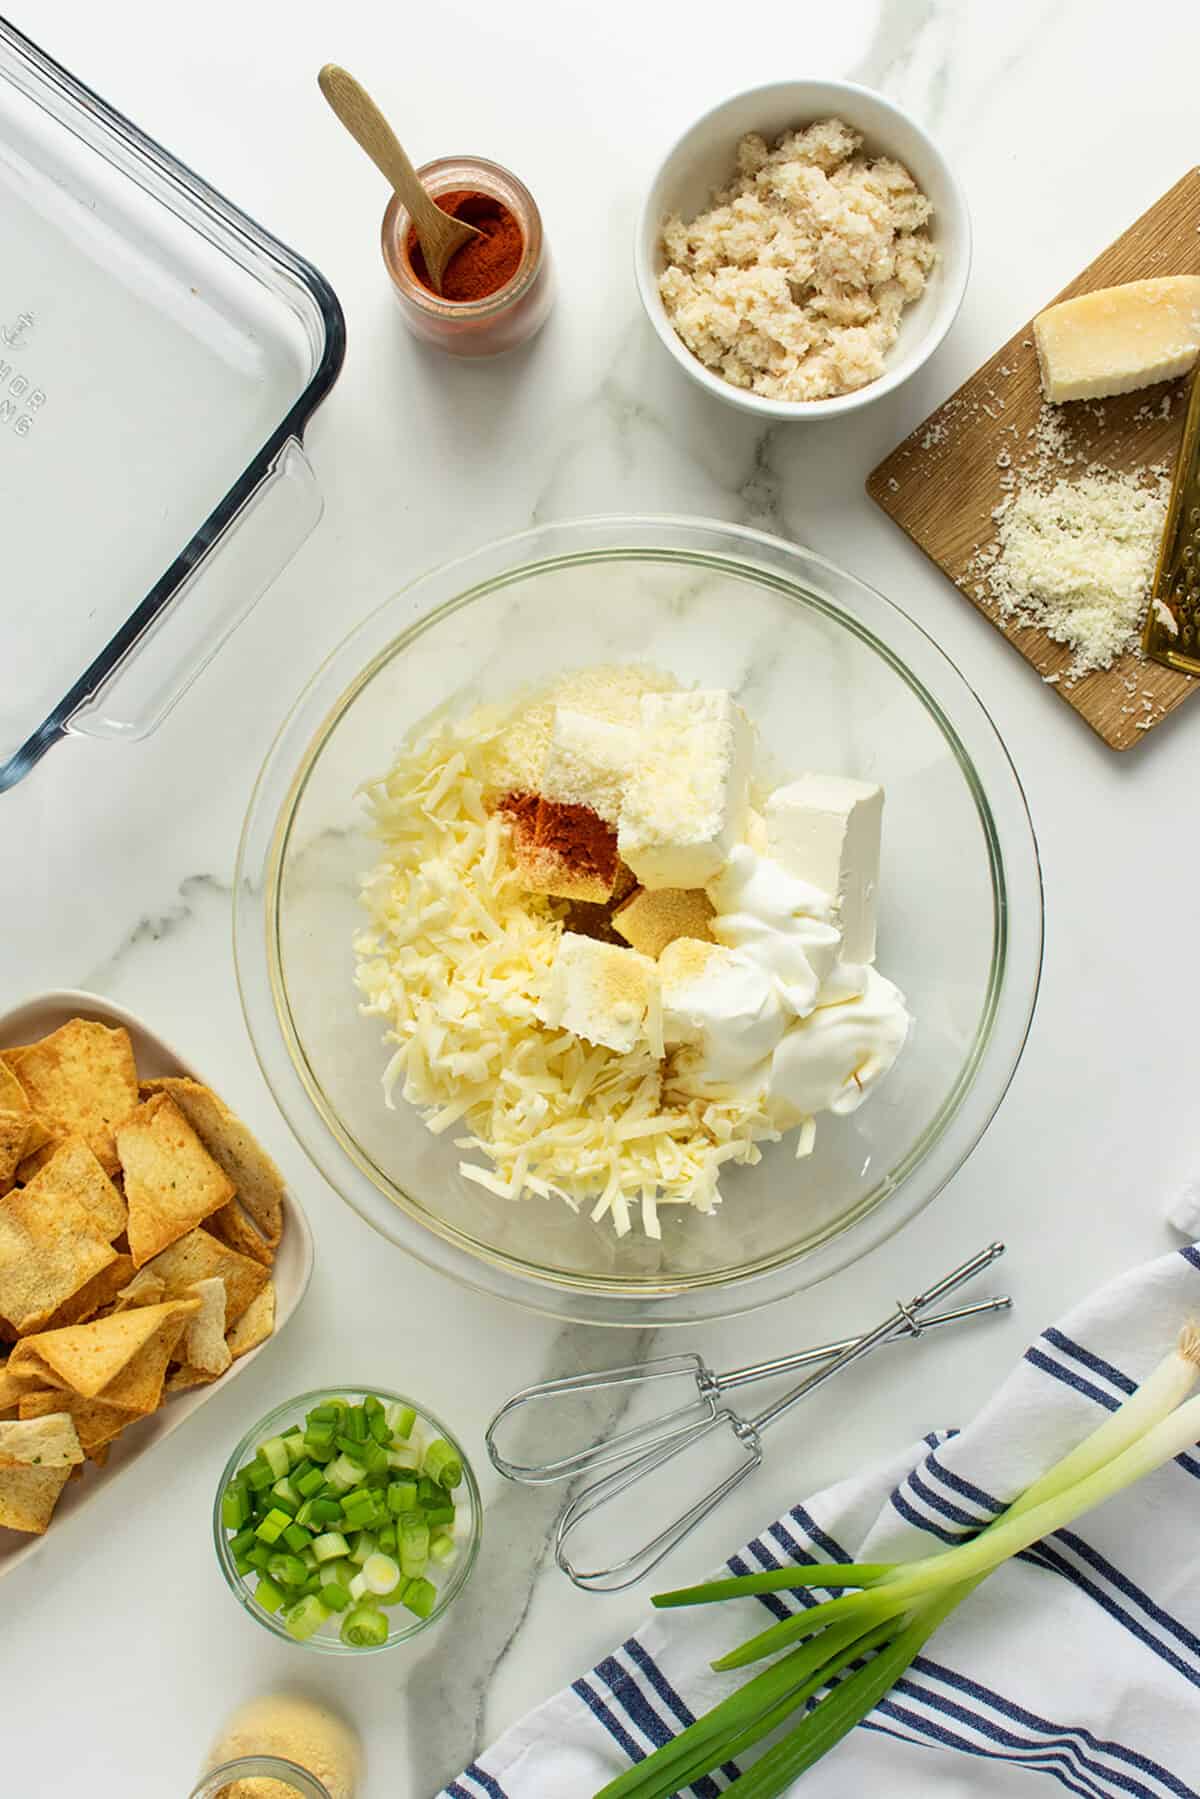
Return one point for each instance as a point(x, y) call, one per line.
point(274, 1454)
point(259, 1557)
point(443, 1464)
point(272, 1527)
point(307, 1485)
point(243, 1542)
point(259, 1476)
point(293, 1442)
point(305, 1618)
point(381, 1573)
point(325, 1511)
point(334, 1596)
point(354, 1425)
point(402, 1419)
point(268, 1594)
point(386, 1539)
point(357, 1585)
point(374, 1458)
point(244, 1565)
point(341, 1572)
point(406, 1459)
point(285, 1496)
point(365, 1627)
point(378, 1427)
point(287, 1570)
point(443, 1550)
point(297, 1538)
point(420, 1597)
point(235, 1508)
point(363, 1547)
point(439, 1514)
point(323, 1414)
point(413, 1540)
point(343, 1474)
point(402, 1497)
point(318, 1436)
point(331, 1546)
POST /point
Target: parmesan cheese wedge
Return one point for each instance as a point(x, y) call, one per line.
point(1119, 338)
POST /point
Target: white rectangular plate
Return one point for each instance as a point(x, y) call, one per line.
point(292, 1272)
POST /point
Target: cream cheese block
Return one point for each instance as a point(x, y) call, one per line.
point(826, 829)
point(686, 804)
point(599, 992)
point(1119, 338)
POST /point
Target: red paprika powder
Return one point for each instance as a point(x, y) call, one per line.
point(484, 264)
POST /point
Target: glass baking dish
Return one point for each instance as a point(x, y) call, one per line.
point(160, 355)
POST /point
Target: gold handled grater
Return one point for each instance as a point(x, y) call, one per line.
point(1172, 630)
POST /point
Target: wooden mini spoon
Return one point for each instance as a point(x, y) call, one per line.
point(437, 233)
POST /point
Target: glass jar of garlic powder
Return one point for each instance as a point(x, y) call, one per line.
point(283, 1746)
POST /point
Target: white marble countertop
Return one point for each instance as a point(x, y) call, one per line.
point(119, 1650)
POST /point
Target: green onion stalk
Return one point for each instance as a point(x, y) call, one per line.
point(841, 1656)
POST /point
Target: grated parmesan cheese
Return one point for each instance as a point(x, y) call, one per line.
point(1074, 554)
point(456, 960)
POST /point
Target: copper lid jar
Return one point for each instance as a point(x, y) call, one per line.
point(499, 321)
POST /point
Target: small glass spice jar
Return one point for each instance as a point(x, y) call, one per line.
point(265, 1776)
point(499, 321)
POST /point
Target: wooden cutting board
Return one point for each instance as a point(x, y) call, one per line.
point(943, 482)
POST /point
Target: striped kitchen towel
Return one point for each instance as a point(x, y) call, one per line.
point(1079, 1661)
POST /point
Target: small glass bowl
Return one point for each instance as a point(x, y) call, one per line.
point(402, 1624)
point(503, 320)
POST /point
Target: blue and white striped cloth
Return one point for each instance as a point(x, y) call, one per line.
point(1079, 1661)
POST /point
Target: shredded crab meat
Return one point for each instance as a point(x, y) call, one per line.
point(454, 961)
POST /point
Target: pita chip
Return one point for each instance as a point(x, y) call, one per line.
point(139, 1386)
point(91, 1357)
point(203, 1344)
point(255, 1324)
point(47, 1442)
point(45, 1257)
point(259, 1183)
point(81, 1081)
point(145, 1289)
point(14, 1143)
point(233, 1226)
point(96, 1424)
point(171, 1181)
point(94, 1295)
point(199, 1257)
point(72, 1172)
point(28, 1497)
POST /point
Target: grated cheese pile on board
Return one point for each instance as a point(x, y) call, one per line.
point(1075, 555)
point(456, 958)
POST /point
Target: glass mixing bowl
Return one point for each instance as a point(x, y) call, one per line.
point(837, 679)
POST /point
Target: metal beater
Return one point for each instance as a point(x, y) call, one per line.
point(643, 1449)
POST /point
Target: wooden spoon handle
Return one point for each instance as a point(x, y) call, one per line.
point(367, 125)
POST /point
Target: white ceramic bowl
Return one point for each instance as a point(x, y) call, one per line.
point(703, 160)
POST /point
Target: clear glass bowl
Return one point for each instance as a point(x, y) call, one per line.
point(837, 679)
point(404, 1625)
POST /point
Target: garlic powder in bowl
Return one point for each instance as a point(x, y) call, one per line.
point(793, 282)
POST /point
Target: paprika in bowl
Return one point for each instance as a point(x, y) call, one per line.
point(497, 289)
